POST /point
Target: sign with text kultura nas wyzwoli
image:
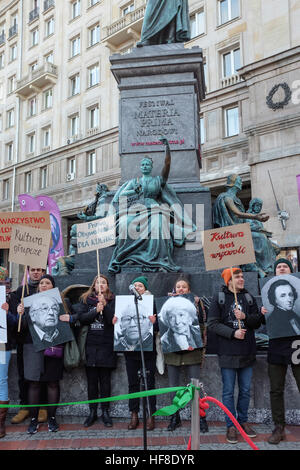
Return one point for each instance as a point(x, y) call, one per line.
point(145, 120)
point(228, 246)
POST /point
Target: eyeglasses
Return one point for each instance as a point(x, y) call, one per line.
point(128, 319)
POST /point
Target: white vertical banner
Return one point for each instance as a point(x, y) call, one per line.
point(3, 316)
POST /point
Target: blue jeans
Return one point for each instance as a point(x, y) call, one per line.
point(244, 376)
point(4, 375)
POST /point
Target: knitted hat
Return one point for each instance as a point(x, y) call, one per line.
point(226, 274)
point(47, 276)
point(141, 279)
point(3, 273)
point(285, 261)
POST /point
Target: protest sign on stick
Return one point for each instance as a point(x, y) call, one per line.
point(229, 246)
point(96, 235)
point(29, 247)
point(37, 219)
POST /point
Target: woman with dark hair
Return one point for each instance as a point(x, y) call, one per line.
point(189, 360)
point(98, 306)
point(40, 368)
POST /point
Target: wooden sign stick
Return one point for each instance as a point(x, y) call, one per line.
point(98, 269)
point(22, 298)
point(234, 292)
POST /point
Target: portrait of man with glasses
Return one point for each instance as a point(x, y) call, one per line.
point(126, 333)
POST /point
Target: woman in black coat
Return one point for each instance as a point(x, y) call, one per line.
point(98, 306)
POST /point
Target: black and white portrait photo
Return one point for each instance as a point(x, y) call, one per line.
point(42, 312)
point(126, 333)
point(281, 298)
point(178, 323)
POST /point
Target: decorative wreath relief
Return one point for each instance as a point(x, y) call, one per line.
point(279, 104)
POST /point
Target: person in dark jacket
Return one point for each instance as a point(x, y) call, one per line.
point(41, 369)
point(134, 365)
point(234, 325)
point(35, 275)
point(98, 306)
point(280, 354)
point(11, 341)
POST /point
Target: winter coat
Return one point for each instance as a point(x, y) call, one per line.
point(233, 352)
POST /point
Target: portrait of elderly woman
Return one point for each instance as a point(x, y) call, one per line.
point(126, 332)
point(43, 311)
point(281, 297)
point(179, 325)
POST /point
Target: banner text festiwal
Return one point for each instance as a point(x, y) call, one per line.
point(38, 219)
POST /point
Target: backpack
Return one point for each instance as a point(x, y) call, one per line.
point(221, 298)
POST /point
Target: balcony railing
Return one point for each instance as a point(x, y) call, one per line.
point(118, 31)
point(12, 30)
point(34, 14)
point(2, 38)
point(48, 4)
point(232, 80)
point(37, 79)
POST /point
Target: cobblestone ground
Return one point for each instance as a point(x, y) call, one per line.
point(72, 435)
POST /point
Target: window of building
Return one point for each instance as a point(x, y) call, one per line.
point(232, 126)
point(31, 143)
point(76, 8)
point(2, 60)
point(197, 24)
point(10, 118)
point(9, 151)
point(93, 75)
point(94, 35)
point(72, 165)
point(228, 10)
point(33, 66)
point(13, 52)
point(48, 98)
point(128, 9)
point(74, 125)
point(91, 163)
point(49, 27)
point(32, 106)
point(49, 58)
point(75, 84)
point(34, 37)
point(93, 117)
point(12, 83)
point(5, 189)
point(93, 2)
point(28, 181)
point(46, 142)
point(75, 46)
point(231, 62)
point(43, 177)
point(202, 130)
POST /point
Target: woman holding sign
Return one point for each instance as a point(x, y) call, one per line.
point(5, 353)
point(189, 359)
point(98, 306)
point(39, 367)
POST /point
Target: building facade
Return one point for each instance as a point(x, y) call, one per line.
point(59, 100)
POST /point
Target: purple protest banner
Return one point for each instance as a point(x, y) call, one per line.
point(45, 203)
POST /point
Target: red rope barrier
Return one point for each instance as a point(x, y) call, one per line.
point(203, 406)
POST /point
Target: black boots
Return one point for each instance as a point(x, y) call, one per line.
point(91, 418)
point(107, 421)
point(203, 425)
point(175, 422)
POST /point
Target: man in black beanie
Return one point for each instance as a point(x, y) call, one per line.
point(279, 357)
point(35, 275)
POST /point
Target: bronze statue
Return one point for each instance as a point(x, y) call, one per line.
point(165, 22)
point(147, 235)
point(97, 209)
